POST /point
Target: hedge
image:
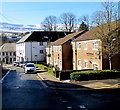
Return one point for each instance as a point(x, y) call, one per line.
point(95, 75)
point(45, 68)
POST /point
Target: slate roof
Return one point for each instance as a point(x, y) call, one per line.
point(86, 36)
point(69, 37)
point(90, 35)
point(39, 36)
point(23, 39)
point(8, 47)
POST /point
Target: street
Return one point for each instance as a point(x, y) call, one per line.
point(25, 91)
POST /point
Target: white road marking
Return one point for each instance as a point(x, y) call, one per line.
point(69, 107)
point(82, 106)
point(4, 76)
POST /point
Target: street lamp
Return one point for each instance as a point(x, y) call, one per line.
point(49, 55)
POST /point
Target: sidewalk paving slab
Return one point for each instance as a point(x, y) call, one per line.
point(52, 81)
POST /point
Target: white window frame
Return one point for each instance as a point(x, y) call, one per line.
point(95, 45)
point(86, 64)
point(85, 45)
point(80, 64)
point(79, 46)
point(93, 63)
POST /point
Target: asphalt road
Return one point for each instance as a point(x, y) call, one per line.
point(22, 91)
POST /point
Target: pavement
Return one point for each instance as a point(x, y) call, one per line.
point(50, 81)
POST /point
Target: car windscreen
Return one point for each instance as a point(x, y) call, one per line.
point(30, 66)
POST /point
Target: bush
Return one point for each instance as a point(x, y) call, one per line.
point(45, 68)
point(94, 75)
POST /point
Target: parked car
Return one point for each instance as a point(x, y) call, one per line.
point(20, 64)
point(17, 63)
point(30, 68)
point(14, 63)
point(24, 63)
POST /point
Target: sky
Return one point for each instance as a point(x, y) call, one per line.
point(35, 12)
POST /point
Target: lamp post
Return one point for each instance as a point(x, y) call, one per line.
point(48, 43)
point(110, 55)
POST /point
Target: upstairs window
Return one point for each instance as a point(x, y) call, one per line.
point(41, 43)
point(95, 45)
point(79, 45)
point(14, 53)
point(3, 53)
point(41, 51)
point(85, 46)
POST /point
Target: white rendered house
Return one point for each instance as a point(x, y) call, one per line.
point(30, 50)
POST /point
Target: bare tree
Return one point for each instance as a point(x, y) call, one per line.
point(68, 20)
point(108, 30)
point(50, 23)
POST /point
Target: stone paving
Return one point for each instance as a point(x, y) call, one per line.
point(92, 84)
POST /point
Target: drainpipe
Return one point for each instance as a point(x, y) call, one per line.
point(76, 55)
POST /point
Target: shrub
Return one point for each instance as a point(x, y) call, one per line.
point(43, 67)
point(94, 75)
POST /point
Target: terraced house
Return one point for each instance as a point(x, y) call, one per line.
point(59, 53)
point(8, 53)
point(87, 52)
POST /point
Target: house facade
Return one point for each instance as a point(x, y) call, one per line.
point(32, 46)
point(86, 54)
point(60, 52)
point(30, 51)
point(8, 53)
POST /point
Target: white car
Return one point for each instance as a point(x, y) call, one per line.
point(30, 68)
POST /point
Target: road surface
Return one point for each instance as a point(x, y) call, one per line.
point(22, 91)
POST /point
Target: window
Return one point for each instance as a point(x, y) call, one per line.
point(41, 51)
point(95, 45)
point(86, 64)
point(3, 53)
point(14, 53)
point(58, 56)
point(10, 60)
point(85, 46)
point(79, 62)
point(41, 43)
point(95, 66)
point(3, 60)
point(79, 45)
